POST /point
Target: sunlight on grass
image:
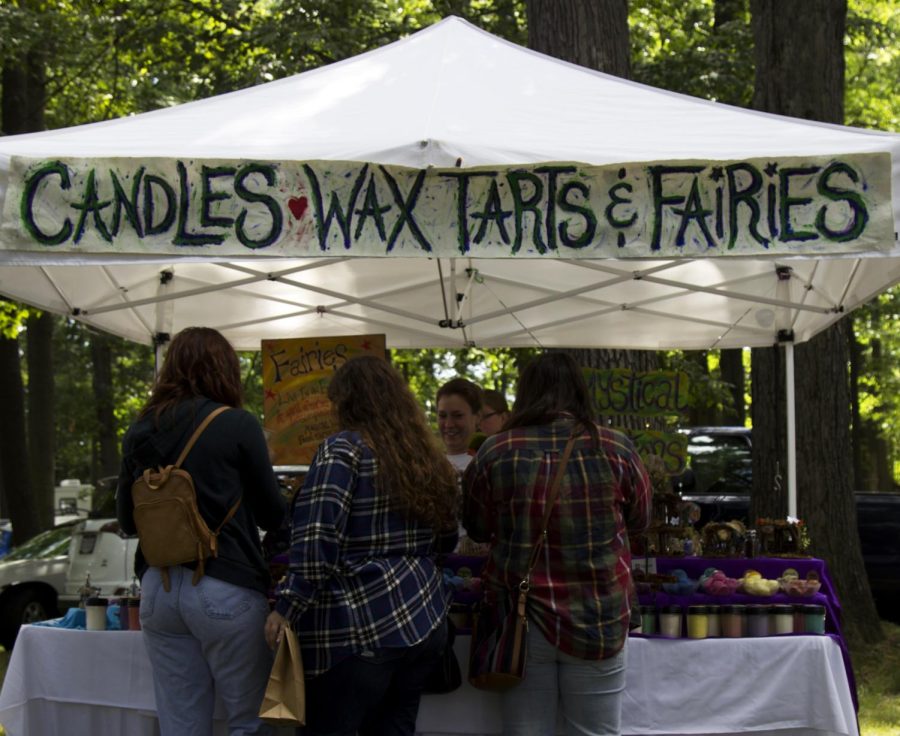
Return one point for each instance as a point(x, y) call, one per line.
point(878, 684)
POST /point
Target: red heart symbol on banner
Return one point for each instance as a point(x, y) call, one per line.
point(297, 206)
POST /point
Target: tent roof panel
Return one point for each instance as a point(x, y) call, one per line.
point(454, 95)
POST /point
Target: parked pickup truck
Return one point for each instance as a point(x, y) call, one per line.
point(720, 479)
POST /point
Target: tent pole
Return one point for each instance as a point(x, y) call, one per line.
point(164, 311)
point(791, 430)
point(160, 343)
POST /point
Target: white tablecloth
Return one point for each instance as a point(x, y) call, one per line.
point(86, 682)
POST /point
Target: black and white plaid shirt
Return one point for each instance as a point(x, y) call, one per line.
point(362, 576)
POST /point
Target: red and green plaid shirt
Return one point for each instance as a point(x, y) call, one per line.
point(580, 586)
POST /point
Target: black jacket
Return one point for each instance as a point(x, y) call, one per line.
point(230, 460)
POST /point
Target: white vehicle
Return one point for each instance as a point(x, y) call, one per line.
point(101, 562)
point(55, 570)
point(47, 575)
point(31, 578)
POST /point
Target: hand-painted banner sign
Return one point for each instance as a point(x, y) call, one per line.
point(790, 205)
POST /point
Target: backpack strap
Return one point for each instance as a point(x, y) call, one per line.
point(201, 557)
point(231, 512)
point(214, 543)
point(197, 432)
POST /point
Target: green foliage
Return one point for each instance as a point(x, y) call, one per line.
point(707, 389)
point(109, 58)
point(427, 370)
point(251, 370)
point(872, 97)
point(12, 319)
point(876, 327)
point(678, 46)
point(76, 415)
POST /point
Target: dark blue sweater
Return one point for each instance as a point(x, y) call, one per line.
point(230, 460)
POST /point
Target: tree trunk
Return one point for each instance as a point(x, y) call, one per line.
point(769, 495)
point(825, 497)
point(799, 51)
point(731, 366)
point(857, 431)
point(591, 33)
point(24, 94)
point(800, 72)
point(22, 105)
point(106, 459)
point(881, 462)
point(727, 11)
point(14, 447)
point(706, 415)
point(41, 412)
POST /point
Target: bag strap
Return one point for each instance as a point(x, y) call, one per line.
point(231, 512)
point(548, 509)
point(197, 432)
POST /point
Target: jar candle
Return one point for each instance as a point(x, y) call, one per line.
point(814, 619)
point(799, 619)
point(732, 620)
point(134, 614)
point(670, 621)
point(757, 620)
point(782, 619)
point(714, 627)
point(95, 614)
point(648, 619)
point(697, 622)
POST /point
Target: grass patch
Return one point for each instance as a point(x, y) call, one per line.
point(877, 672)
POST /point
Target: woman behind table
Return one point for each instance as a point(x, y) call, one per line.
point(364, 593)
point(458, 408)
point(494, 412)
point(578, 604)
point(206, 639)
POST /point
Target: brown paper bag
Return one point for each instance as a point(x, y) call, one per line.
point(284, 703)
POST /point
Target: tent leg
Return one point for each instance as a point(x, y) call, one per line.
point(791, 430)
point(164, 313)
point(159, 354)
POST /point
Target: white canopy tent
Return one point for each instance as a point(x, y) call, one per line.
point(405, 191)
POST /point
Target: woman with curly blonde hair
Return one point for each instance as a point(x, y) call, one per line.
point(364, 592)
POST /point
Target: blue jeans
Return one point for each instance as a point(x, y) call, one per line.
point(374, 693)
point(588, 693)
point(203, 640)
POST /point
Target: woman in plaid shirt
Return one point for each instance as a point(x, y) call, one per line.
point(579, 601)
point(364, 592)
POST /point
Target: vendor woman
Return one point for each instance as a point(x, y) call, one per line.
point(458, 409)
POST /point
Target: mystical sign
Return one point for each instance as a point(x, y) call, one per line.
point(239, 208)
point(624, 392)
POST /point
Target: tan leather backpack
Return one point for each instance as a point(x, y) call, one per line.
point(170, 528)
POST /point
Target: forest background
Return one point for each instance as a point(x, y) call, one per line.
point(76, 61)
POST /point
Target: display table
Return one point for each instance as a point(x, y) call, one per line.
point(81, 683)
point(770, 568)
point(86, 683)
